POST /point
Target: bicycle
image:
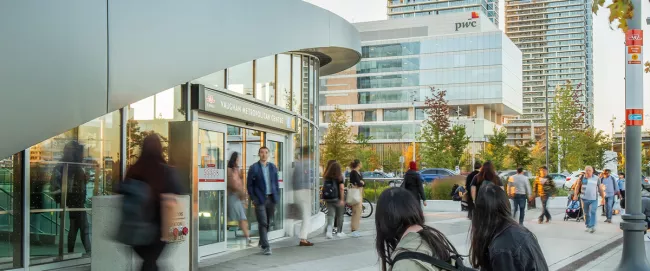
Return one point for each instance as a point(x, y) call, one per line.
point(366, 207)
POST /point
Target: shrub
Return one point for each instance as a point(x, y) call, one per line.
point(441, 189)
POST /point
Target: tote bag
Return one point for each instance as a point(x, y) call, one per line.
point(354, 196)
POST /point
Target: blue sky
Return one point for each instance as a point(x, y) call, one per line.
point(609, 58)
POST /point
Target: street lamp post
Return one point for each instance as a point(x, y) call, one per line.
point(633, 224)
point(546, 115)
point(413, 98)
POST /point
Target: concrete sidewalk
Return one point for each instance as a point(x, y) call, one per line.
point(563, 242)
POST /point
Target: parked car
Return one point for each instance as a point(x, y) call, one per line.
point(431, 174)
point(559, 179)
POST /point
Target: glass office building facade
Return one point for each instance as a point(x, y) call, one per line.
point(384, 94)
point(415, 8)
point(556, 40)
point(91, 159)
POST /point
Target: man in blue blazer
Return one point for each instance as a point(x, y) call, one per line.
point(263, 190)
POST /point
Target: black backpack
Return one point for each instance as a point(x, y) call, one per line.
point(138, 226)
point(440, 264)
point(330, 190)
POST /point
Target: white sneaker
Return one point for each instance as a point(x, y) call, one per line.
point(355, 234)
point(341, 235)
point(328, 232)
point(592, 230)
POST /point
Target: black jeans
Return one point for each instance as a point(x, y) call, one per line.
point(519, 202)
point(150, 254)
point(545, 212)
point(265, 214)
point(78, 223)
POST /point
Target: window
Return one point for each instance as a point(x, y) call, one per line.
point(265, 79)
point(327, 116)
point(240, 78)
point(420, 114)
point(284, 81)
point(395, 114)
point(295, 83)
point(12, 215)
point(215, 80)
point(397, 49)
point(364, 116)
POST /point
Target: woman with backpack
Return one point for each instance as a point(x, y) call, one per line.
point(413, 182)
point(333, 194)
point(236, 195)
point(498, 242)
point(152, 169)
point(404, 242)
point(487, 174)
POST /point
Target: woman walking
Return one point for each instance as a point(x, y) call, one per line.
point(152, 169)
point(413, 183)
point(236, 195)
point(497, 241)
point(403, 237)
point(333, 194)
point(356, 181)
point(487, 174)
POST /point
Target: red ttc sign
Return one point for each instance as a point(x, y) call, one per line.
point(634, 37)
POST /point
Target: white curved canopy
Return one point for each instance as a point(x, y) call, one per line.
point(66, 62)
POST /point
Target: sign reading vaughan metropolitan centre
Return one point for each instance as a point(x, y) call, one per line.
point(231, 106)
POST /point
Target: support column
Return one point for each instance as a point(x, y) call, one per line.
point(633, 224)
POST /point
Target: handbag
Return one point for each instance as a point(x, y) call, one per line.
point(354, 196)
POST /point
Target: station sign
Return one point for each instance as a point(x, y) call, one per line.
point(634, 117)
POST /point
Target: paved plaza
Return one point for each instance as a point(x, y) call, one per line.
point(564, 243)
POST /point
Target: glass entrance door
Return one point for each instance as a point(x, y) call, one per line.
point(211, 173)
point(277, 150)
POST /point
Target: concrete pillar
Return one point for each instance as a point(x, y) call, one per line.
point(480, 112)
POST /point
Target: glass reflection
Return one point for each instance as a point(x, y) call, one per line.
point(11, 215)
point(240, 78)
point(284, 81)
point(265, 79)
point(296, 86)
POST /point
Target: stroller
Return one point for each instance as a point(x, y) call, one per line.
point(574, 211)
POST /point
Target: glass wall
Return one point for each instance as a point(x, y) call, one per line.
point(66, 171)
point(265, 79)
point(240, 78)
point(11, 211)
point(363, 115)
point(396, 114)
point(284, 81)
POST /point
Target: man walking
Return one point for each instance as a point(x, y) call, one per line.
point(263, 190)
point(538, 186)
point(468, 186)
point(589, 186)
point(522, 191)
point(611, 189)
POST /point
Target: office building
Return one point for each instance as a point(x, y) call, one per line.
point(463, 53)
point(416, 8)
point(83, 86)
point(555, 38)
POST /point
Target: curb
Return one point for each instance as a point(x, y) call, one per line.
point(578, 260)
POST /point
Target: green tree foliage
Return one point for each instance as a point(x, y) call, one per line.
point(458, 141)
point(619, 10)
point(520, 155)
point(496, 149)
point(337, 140)
point(443, 145)
point(565, 121)
point(391, 161)
point(365, 153)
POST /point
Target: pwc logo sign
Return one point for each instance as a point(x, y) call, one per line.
point(471, 23)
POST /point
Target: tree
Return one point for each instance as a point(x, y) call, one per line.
point(391, 161)
point(520, 155)
point(458, 141)
point(365, 153)
point(537, 156)
point(408, 155)
point(337, 140)
point(565, 121)
point(435, 130)
point(496, 149)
